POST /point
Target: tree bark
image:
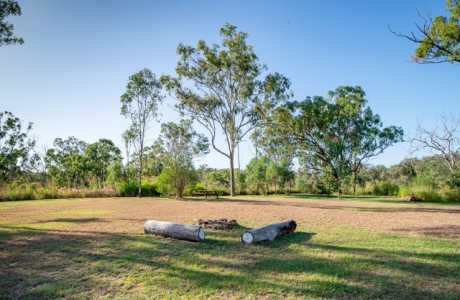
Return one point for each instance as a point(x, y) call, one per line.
point(354, 183)
point(268, 233)
point(194, 233)
point(139, 176)
point(232, 174)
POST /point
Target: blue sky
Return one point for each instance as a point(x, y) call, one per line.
point(68, 76)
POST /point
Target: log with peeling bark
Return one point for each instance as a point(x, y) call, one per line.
point(194, 233)
point(268, 233)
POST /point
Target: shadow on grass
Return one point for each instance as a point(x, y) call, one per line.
point(73, 220)
point(410, 207)
point(369, 198)
point(43, 264)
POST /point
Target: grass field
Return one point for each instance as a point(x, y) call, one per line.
point(343, 248)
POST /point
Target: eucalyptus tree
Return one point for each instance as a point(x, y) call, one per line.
point(100, 156)
point(335, 134)
point(225, 89)
point(179, 144)
point(438, 39)
point(8, 8)
point(140, 105)
point(66, 162)
point(16, 146)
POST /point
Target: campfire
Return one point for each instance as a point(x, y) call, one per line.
point(218, 224)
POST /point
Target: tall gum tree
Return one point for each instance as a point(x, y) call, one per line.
point(225, 89)
point(139, 104)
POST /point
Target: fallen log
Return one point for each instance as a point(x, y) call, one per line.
point(268, 233)
point(194, 233)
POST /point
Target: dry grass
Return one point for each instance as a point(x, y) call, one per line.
point(349, 248)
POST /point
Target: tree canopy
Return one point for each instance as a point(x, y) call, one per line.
point(438, 39)
point(8, 8)
point(16, 147)
point(335, 134)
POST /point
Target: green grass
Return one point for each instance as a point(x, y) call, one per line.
point(313, 263)
point(334, 264)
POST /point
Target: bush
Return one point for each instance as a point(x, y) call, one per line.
point(423, 192)
point(380, 188)
point(130, 189)
point(385, 188)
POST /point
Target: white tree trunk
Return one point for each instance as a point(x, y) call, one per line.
point(193, 233)
point(268, 233)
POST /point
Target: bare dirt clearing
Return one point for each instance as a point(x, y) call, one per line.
point(128, 214)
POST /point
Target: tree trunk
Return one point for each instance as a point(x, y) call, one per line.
point(232, 173)
point(139, 176)
point(354, 183)
point(194, 233)
point(268, 233)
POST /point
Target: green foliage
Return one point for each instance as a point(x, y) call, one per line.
point(16, 148)
point(440, 37)
point(131, 189)
point(380, 188)
point(74, 163)
point(115, 173)
point(335, 135)
point(232, 90)
point(178, 144)
point(256, 172)
point(8, 8)
point(100, 156)
point(454, 180)
point(214, 179)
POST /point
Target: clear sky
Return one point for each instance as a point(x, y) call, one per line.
point(68, 76)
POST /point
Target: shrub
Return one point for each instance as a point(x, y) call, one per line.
point(380, 188)
point(423, 192)
point(385, 188)
point(130, 189)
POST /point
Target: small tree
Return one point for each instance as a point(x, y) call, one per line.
point(140, 105)
point(438, 39)
point(335, 135)
point(8, 8)
point(224, 88)
point(179, 144)
point(257, 176)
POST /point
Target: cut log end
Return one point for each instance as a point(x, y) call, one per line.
point(268, 233)
point(201, 234)
point(247, 238)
